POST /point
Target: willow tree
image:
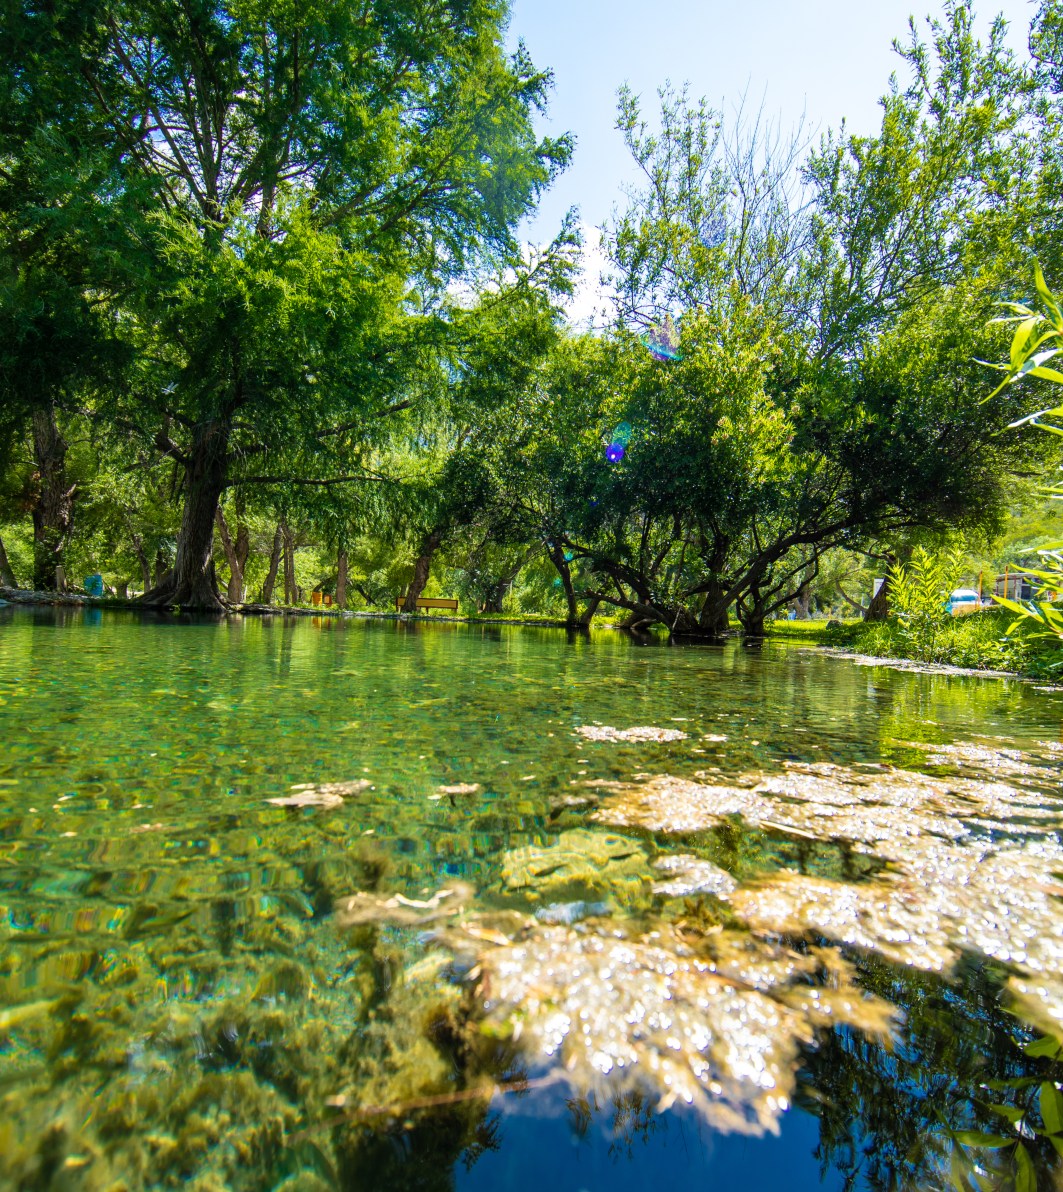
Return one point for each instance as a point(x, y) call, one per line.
point(305, 180)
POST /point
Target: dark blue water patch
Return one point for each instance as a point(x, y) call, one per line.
point(544, 1144)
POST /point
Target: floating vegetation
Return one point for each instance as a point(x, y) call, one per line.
point(875, 805)
point(571, 912)
point(605, 732)
point(400, 911)
point(715, 1023)
point(460, 788)
point(957, 880)
point(326, 795)
point(688, 875)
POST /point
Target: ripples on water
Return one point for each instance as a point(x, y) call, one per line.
point(342, 904)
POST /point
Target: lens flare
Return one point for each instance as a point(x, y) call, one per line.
point(662, 342)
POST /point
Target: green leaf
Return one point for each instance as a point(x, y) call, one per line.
point(1051, 1108)
point(958, 1170)
point(1020, 340)
point(1057, 1142)
point(1048, 1046)
point(978, 1138)
point(1046, 294)
point(1012, 1112)
point(1025, 1176)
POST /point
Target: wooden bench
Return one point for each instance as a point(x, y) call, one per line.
point(428, 602)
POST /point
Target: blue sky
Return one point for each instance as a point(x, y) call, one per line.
point(827, 58)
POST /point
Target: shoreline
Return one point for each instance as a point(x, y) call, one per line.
point(26, 596)
point(70, 599)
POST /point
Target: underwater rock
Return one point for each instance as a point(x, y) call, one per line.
point(460, 788)
point(690, 875)
point(604, 732)
point(583, 866)
point(716, 1024)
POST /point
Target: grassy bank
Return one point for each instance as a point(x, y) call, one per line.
point(979, 641)
point(812, 632)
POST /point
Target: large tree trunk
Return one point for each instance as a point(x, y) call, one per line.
point(803, 603)
point(274, 564)
point(162, 570)
point(341, 579)
point(714, 618)
point(236, 554)
point(192, 583)
point(53, 510)
point(7, 576)
point(752, 611)
point(422, 568)
point(879, 608)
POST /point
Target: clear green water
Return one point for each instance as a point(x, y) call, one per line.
point(183, 1005)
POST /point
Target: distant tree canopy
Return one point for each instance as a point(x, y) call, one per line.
point(261, 290)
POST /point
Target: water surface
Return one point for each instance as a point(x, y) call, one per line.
point(203, 986)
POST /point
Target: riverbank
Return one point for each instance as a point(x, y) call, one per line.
point(987, 642)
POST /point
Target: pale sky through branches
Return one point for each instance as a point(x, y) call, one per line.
point(826, 59)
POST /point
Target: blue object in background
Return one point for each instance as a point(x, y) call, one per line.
point(94, 585)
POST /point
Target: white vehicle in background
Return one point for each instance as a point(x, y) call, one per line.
point(962, 601)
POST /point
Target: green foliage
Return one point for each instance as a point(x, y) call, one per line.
point(919, 594)
point(1036, 340)
point(977, 641)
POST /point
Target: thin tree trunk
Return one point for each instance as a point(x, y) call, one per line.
point(53, 510)
point(853, 604)
point(274, 564)
point(192, 583)
point(557, 557)
point(291, 592)
point(493, 603)
point(589, 611)
point(7, 576)
point(235, 555)
point(422, 568)
point(341, 579)
point(142, 559)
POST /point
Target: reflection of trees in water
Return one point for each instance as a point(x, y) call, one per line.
point(884, 1112)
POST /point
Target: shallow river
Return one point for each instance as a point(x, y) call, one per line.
point(323, 904)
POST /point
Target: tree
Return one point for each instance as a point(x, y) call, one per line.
point(305, 182)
